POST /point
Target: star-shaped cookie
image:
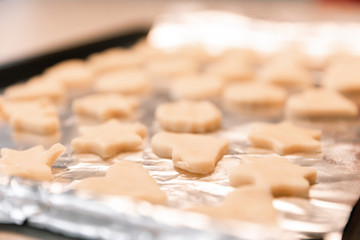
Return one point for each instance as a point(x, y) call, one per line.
point(188, 116)
point(250, 203)
point(285, 138)
point(34, 163)
point(320, 102)
point(193, 153)
point(283, 177)
point(105, 106)
point(109, 138)
point(126, 179)
point(36, 116)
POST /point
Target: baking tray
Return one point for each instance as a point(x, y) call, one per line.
point(56, 207)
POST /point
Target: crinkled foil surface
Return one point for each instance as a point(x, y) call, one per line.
point(56, 207)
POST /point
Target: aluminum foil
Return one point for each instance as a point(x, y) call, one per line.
point(57, 207)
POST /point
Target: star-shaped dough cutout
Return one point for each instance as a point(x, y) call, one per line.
point(285, 138)
point(188, 116)
point(190, 152)
point(319, 102)
point(126, 179)
point(250, 203)
point(281, 176)
point(109, 138)
point(34, 163)
point(37, 116)
point(105, 106)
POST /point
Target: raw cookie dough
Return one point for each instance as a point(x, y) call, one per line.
point(343, 77)
point(105, 106)
point(288, 74)
point(254, 94)
point(230, 70)
point(188, 116)
point(249, 203)
point(109, 138)
point(73, 74)
point(285, 138)
point(197, 87)
point(126, 179)
point(36, 88)
point(36, 116)
point(34, 163)
point(319, 102)
point(240, 54)
point(283, 177)
point(127, 82)
point(193, 153)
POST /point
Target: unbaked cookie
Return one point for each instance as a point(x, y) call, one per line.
point(193, 153)
point(34, 163)
point(114, 59)
point(127, 82)
point(197, 87)
point(105, 106)
point(188, 116)
point(230, 70)
point(343, 77)
point(36, 116)
point(288, 74)
point(73, 74)
point(109, 138)
point(285, 138)
point(126, 179)
point(283, 177)
point(254, 94)
point(317, 102)
point(250, 204)
point(36, 88)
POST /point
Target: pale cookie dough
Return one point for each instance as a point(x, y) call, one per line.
point(230, 70)
point(36, 88)
point(109, 138)
point(343, 77)
point(126, 179)
point(241, 54)
point(36, 116)
point(249, 203)
point(285, 138)
point(34, 163)
point(113, 59)
point(105, 106)
point(317, 102)
point(288, 74)
point(169, 67)
point(254, 94)
point(188, 116)
point(283, 177)
point(190, 152)
point(197, 87)
point(127, 82)
point(74, 74)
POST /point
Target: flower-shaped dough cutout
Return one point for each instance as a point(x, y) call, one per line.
point(319, 102)
point(105, 106)
point(34, 163)
point(230, 70)
point(254, 94)
point(285, 138)
point(36, 88)
point(281, 176)
point(109, 138)
point(193, 153)
point(72, 74)
point(250, 203)
point(188, 116)
point(126, 179)
point(36, 116)
point(127, 82)
point(197, 87)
